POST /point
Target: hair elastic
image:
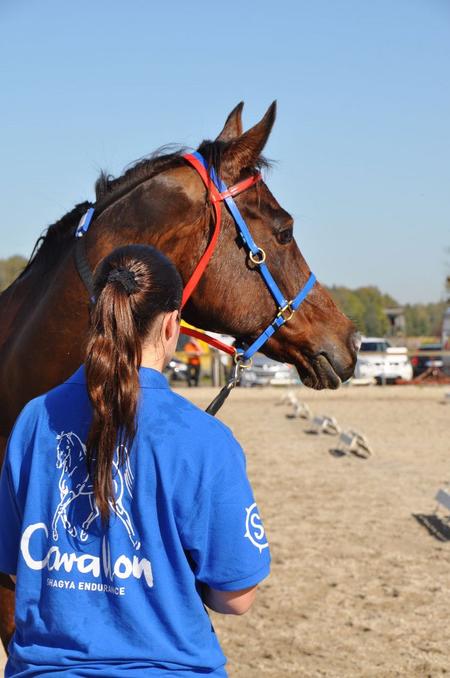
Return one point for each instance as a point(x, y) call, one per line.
point(125, 277)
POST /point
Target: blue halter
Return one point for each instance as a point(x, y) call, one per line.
point(286, 309)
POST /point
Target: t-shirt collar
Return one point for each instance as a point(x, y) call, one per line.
point(148, 378)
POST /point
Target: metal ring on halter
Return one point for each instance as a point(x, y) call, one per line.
point(261, 254)
point(238, 360)
point(282, 311)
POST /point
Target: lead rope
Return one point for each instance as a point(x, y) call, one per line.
point(215, 405)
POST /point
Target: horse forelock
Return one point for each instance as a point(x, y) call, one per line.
point(214, 153)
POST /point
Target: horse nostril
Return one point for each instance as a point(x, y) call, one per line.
point(355, 341)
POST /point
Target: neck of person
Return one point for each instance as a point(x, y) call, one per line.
point(156, 354)
point(153, 357)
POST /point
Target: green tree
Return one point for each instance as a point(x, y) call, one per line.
point(365, 306)
point(424, 319)
point(349, 302)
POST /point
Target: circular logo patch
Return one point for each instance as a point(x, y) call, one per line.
point(254, 529)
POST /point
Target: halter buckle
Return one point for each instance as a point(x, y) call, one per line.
point(239, 361)
point(261, 257)
point(287, 308)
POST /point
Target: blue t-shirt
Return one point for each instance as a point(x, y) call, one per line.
point(125, 599)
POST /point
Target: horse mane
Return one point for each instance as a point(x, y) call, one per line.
point(109, 189)
point(55, 237)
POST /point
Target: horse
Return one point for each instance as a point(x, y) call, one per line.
point(162, 201)
point(75, 482)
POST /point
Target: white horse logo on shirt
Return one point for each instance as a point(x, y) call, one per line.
point(75, 482)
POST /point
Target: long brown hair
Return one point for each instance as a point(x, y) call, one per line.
point(132, 286)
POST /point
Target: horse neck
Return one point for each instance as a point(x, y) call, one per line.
point(27, 298)
point(12, 300)
point(55, 300)
point(178, 233)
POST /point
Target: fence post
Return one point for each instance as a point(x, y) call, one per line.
point(216, 372)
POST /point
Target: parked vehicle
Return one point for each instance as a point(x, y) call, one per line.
point(379, 360)
point(425, 358)
point(176, 370)
point(265, 371)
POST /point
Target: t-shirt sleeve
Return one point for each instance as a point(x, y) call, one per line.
point(10, 521)
point(224, 534)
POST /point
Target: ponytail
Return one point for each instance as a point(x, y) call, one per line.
point(132, 286)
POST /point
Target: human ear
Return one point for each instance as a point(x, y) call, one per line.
point(171, 326)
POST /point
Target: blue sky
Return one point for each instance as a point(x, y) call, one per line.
point(362, 139)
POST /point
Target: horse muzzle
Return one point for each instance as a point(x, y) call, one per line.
point(330, 367)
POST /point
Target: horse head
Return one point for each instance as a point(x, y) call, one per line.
point(319, 340)
point(232, 298)
point(164, 202)
point(171, 210)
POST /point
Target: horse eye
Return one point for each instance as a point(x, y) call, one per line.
point(285, 237)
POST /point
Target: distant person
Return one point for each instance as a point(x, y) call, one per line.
point(125, 509)
point(194, 352)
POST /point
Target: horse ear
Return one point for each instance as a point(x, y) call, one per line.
point(233, 124)
point(244, 151)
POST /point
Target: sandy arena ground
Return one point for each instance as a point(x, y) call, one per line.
point(359, 588)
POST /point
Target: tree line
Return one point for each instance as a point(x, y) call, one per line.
point(364, 305)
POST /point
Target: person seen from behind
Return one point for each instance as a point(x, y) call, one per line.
point(125, 509)
point(193, 352)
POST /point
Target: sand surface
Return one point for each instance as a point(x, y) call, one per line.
point(359, 587)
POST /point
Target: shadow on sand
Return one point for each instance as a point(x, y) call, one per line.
point(337, 453)
point(435, 526)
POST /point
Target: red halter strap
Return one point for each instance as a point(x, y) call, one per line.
point(216, 343)
point(216, 198)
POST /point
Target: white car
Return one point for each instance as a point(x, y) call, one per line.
point(379, 360)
